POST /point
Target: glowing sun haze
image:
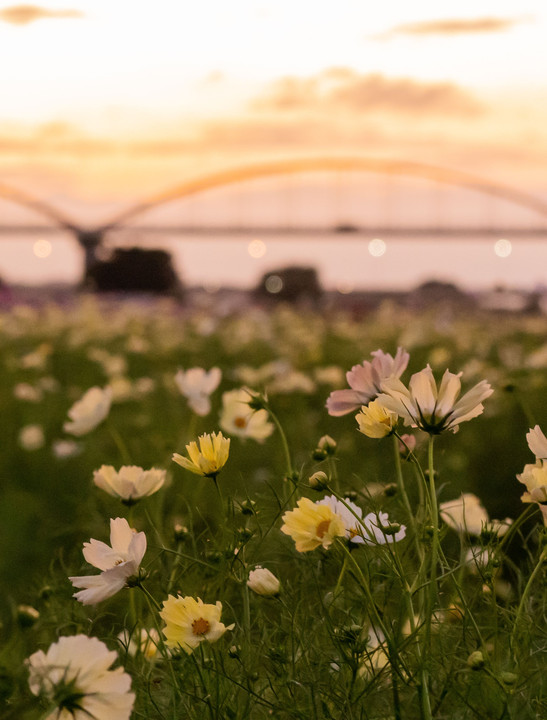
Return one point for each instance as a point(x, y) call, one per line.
point(107, 101)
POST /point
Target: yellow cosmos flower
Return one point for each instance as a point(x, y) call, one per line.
point(209, 458)
point(311, 525)
point(189, 621)
point(375, 420)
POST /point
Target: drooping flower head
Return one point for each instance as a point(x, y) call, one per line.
point(207, 459)
point(239, 418)
point(312, 525)
point(75, 677)
point(365, 381)
point(434, 410)
point(197, 384)
point(189, 621)
point(375, 420)
point(89, 411)
point(118, 561)
point(373, 529)
point(130, 483)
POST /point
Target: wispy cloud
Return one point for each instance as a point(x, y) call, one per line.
point(454, 26)
point(344, 89)
point(26, 14)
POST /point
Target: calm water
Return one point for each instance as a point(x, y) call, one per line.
point(343, 262)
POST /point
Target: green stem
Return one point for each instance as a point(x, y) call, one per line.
point(283, 440)
point(406, 501)
point(150, 597)
point(120, 444)
point(524, 599)
point(377, 621)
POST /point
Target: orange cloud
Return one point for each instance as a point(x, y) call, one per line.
point(26, 14)
point(454, 26)
point(343, 89)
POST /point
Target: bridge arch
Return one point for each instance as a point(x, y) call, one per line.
point(45, 209)
point(243, 173)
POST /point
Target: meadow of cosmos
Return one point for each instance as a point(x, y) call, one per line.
point(271, 513)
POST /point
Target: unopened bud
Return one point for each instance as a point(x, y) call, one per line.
point(234, 651)
point(319, 480)
point(244, 534)
point(27, 615)
point(180, 532)
point(247, 507)
point(263, 582)
point(319, 455)
point(476, 660)
point(391, 490)
point(508, 678)
point(327, 444)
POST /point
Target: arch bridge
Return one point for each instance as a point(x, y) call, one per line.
point(90, 239)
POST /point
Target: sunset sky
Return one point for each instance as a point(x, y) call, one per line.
point(107, 101)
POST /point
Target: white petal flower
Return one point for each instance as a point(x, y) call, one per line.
point(373, 529)
point(537, 442)
point(433, 410)
point(465, 514)
point(130, 483)
point(89, 411)
point(197, 384)
point(237, 418)
point(365, 381)
point(75, 674)
point(118, 561)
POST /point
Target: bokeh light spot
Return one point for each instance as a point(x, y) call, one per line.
point(256, 248)
point(42, 248)
point(376, 247)
point(503, 248)
point(273, 284)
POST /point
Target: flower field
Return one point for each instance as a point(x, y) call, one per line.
point(272, 513)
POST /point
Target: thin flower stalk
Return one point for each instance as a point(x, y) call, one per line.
point(524, 600)
point(404, 495)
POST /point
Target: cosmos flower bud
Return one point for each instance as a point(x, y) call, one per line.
point(327, 444)
point(476, 660)
point(319, 480)
point(263, 582)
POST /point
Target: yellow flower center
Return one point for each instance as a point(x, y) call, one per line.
point(322, 528)
point(200, 626)
point(240, 422)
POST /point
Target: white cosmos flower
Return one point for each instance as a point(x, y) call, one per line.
point(365, 381)
point(373, 529)
point(75, 673)
point(465, 514)
point(197, 384)
point(89, 411)
point(434, 410)
point(118, 561)
point(237, 418)
point(130, 483)
point(537, 442)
